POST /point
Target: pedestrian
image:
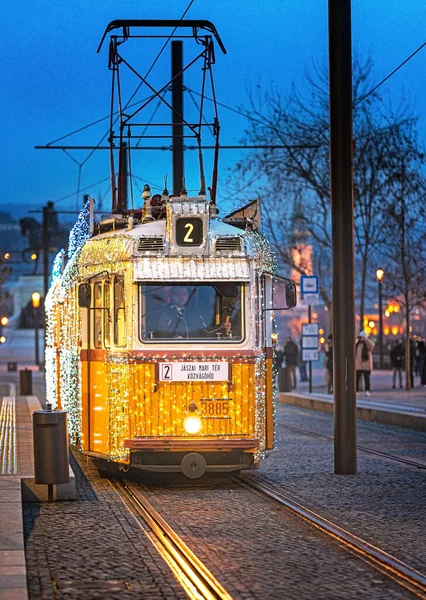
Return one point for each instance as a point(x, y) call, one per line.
point(364, 361)
point(397, 362)
point(302, 364)
point(328, 351)
point(420, 355)
point(412, 360)
point(291, 353)
point(422, 349)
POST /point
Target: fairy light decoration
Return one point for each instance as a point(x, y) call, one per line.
point(131, 407)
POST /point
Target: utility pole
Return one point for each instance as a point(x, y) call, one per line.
point(177, 116)
point(47, 210)
point(342, 224)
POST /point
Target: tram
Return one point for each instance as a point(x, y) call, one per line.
point(160, 335)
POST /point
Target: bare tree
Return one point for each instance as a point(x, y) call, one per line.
point(298, 174)
point(403, 229)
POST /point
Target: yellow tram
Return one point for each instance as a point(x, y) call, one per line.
point(160, 337)
point(159, 342)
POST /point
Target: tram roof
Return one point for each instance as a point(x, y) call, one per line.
point(158, 227)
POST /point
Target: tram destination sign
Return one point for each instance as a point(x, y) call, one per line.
point(193, 371)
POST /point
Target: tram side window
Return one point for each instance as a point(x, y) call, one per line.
point(107, 313)
point(97, 326)
point(119, 313)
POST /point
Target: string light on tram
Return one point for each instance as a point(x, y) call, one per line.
point(4, 321)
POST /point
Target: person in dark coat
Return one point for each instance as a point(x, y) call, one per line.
point(397, 362)
point(291, 353)
point(421, 346)
point(412, 360)
point(302, 365)
point(328, 351)
point(178, 320)
point(420, 355)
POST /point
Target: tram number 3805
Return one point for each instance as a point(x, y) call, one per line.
point(215, 408)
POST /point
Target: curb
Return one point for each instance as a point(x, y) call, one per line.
point(412, 419)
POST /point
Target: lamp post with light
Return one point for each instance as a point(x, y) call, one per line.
point(379, 275)
point(35, 297)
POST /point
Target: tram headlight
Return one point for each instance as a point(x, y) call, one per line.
point(192, 424)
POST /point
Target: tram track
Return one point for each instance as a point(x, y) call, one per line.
point(406, 461)
point(196, 579)
point(407, 577)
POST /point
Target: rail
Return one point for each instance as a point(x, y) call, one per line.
point(406, 461)
point(407, 577)
point(197, 581)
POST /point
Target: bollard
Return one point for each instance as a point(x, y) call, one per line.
point(26, 382)
point(50, 448)
point(284, 383)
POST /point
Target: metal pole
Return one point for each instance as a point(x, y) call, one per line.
point(37, 362)
point(381, 325)
point(177, 116)
point(342, 224)
point(46, 214)
point(310, 362)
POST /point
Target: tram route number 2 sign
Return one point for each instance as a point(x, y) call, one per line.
point(193, 371)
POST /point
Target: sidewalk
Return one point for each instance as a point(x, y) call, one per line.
point(381, 388)
point(384, 405)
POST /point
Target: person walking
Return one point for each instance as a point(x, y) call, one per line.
point(328, 351)
point(291, 353)
point(364, 361)
point(421, 346)
point(420, 355)
point(412, 360)
point(302, 364)
point(397, 362)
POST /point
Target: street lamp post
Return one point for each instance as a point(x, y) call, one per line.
point(35, 297)
point(379, 275)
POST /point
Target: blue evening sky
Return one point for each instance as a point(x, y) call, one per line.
point(53, 81)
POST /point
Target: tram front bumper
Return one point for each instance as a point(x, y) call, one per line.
point(192, 457)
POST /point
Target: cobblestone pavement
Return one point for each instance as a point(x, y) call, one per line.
point(258, 550)
point(92, 548)
point(385, 503)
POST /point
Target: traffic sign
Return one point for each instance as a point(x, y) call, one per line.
point(310, 355)
point(310, 329)
point(309, 284)
point(309, 300)
point(310, 342)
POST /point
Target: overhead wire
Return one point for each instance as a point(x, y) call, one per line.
point(390, 75)
point(81, 164)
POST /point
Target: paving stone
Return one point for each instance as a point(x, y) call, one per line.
point(12, 557)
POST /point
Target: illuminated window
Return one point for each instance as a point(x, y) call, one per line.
point(119, 313)
point(199, 312)
point(106, 314)
point(97, 325)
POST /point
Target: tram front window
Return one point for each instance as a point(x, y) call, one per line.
point(202, 311)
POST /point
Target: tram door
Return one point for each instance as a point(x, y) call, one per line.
point(100, 343)
point(104, 329)
point(267, 319)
